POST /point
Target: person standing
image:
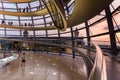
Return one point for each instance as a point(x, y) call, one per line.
point(23, 60)
point(3, 21)
point(19, 49)
point(23, 9)
point(76, 33)
point(27, 9)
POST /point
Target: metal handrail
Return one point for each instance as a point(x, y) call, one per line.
point(99, 68)
point(57, 15)
point(96, 70)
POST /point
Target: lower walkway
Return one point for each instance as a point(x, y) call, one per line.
point(113, 68)
point(40, 66)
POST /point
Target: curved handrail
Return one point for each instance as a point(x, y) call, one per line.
point(80, 12)
point(96, 70)
point(99, 68)
point(26, 14)
point(28, 28)
point(57, 13)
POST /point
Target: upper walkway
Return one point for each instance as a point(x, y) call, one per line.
point(79, 14)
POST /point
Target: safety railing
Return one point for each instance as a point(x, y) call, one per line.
point(93, 58)
point(98, 71)
point(91, 54)
point(57, 13)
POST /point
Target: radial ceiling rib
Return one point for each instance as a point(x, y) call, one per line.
point(19, 1)
point(28, 28)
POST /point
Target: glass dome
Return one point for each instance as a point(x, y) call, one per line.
point(14, 26)
point(17, 24)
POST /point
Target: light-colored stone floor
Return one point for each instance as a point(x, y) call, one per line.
point(41, 66)
point(113, 68)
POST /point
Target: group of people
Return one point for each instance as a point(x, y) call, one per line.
point(38, 7)
point(10, 23)
point(23, 10)
point(27, 9)
point(29, 24)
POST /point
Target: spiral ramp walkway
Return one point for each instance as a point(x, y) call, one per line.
point(44, 67)
point(26, 14)
point(28, 28)
point(79, 15)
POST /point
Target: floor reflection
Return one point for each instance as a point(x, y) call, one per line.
point(40, 66)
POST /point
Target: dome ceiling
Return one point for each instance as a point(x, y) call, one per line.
point(83, 11)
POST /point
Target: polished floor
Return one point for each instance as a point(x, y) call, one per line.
point(113, 68)
point(40, 66)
